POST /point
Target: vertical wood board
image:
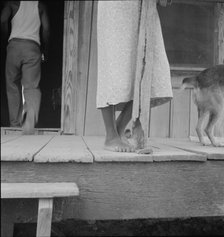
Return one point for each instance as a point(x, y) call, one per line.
point(85, 28)
point(93, 121)
point(159, 121)
point(70, 67)
point(181, 113)
point(45, 210)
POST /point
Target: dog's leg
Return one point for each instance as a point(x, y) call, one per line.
point(213, 118)
point(199, 128)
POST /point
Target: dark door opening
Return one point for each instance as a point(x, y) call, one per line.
point(51, 76)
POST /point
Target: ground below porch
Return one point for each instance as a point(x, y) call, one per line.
point(200, 226)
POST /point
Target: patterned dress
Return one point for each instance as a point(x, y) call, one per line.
point(117, 36)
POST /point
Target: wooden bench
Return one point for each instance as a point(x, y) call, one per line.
point(45, 192)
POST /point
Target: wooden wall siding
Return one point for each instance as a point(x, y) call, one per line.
point(181, 113)
point(219, 52)
point(85, 27)
point(70, 67)
point(193, 117)
point(220, 12)
point(160, 121)
point(77, 39)
point(93, 120)
point(175, 119)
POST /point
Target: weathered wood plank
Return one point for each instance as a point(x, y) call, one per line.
point(193, 116)
point(163, 152)
point(212, 153)
point(159, 121)
point(125, 190)
point(7, 138)
point(65, 148)
point(94, 124)
point(85, 28)
point(24, 148)
point(38, 131)
point(220, 23)
point(45, 209)
point(70, 67)
point(12, 131)
point(95, 144)
point(181, 113)
point(219, 53)
point(38, 190)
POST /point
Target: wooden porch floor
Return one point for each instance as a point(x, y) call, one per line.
point(180, 179)
point(89, 149)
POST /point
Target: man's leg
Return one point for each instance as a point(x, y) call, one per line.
point(113, 140)
point(31, 70)
point(13, 85)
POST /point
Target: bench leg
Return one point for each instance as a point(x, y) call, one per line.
point(44, 218)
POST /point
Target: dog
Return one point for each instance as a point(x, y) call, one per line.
point(208, 95)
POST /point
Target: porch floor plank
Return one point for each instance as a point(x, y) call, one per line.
point(65, 148)
point(161, 152)
point(95, 144)
point(164, 152)
point(211, 152)
point(72, 148)
point(23, 148)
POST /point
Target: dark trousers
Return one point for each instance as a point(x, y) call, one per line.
point(23, 68)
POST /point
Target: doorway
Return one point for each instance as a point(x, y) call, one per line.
point(51, 76)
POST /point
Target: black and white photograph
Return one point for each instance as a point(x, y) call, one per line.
point(112, 118)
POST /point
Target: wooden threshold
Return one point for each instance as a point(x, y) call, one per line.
point(38, 131)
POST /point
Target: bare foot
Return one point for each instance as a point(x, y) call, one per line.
point(118, 145)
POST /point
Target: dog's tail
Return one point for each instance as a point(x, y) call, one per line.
point(189, 82)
